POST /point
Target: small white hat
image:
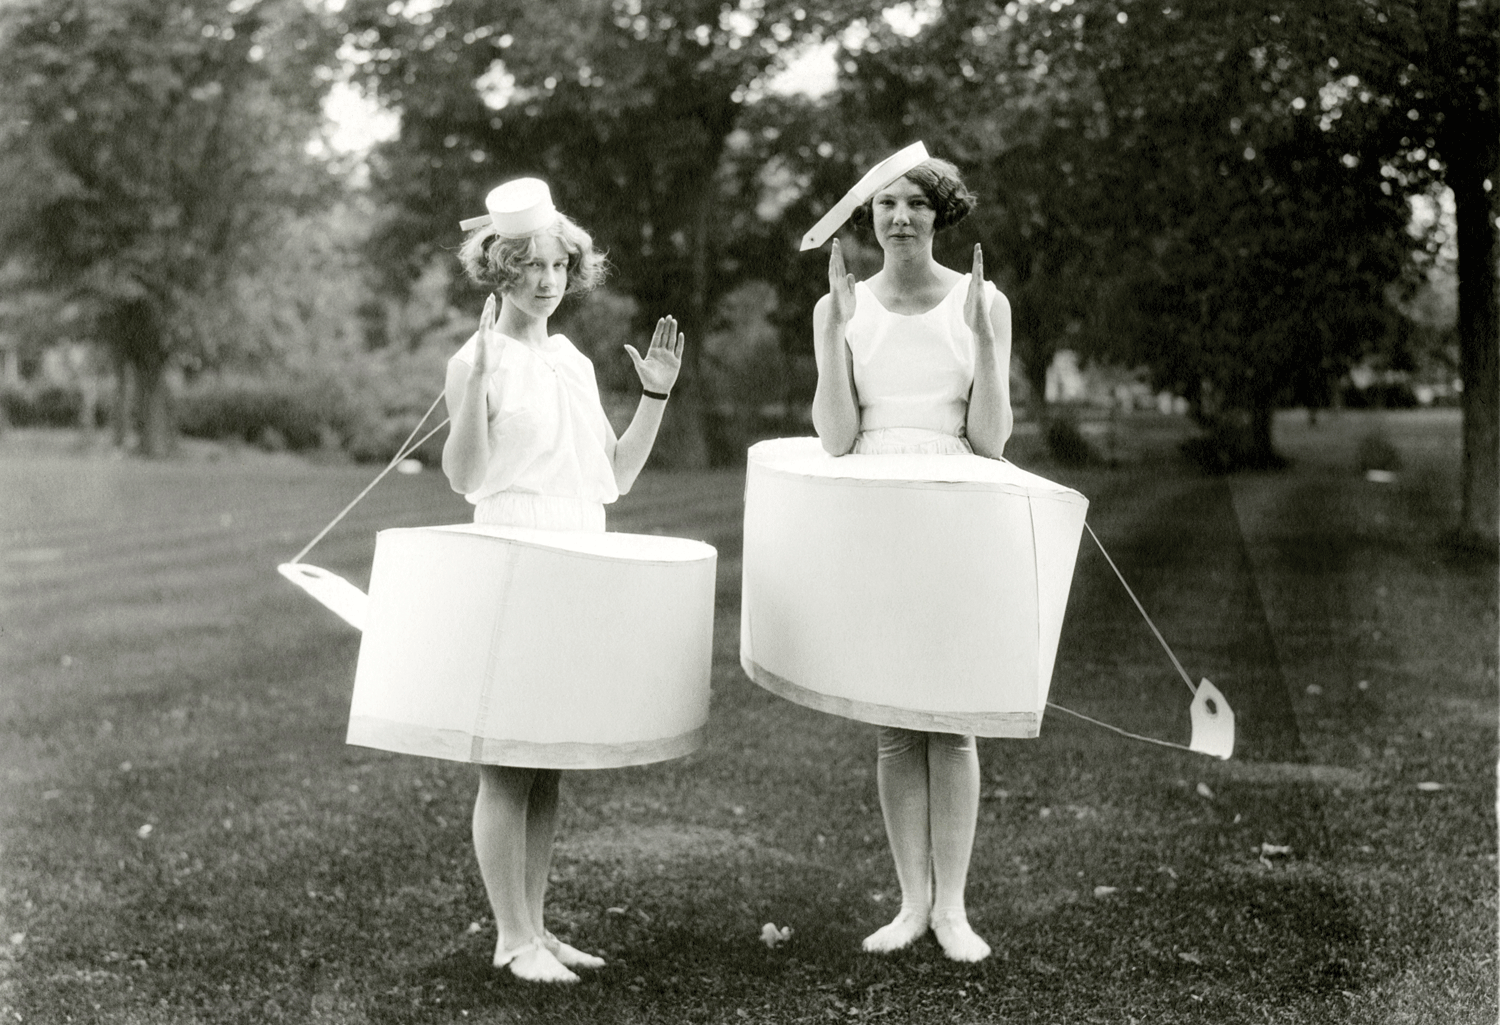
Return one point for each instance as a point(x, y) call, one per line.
point(516, 209)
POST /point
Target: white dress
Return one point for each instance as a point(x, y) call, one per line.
point(913, 374)
point(551, 445)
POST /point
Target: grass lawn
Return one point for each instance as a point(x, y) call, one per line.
point(184, 836)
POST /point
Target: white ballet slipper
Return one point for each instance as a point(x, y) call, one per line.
point(533, 962)
point(571, 956)
point(958, 940)
point(905, 929)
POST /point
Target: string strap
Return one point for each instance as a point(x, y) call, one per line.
point(1165, 646)
point(405, 449)
point(1123, 733)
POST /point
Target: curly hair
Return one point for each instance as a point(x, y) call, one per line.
point(494, 261)
point(950, 198)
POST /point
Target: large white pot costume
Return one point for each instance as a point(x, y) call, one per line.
point(920, 591)
point(547, 648)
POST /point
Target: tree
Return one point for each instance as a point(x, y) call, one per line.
point(1269, 245)
point(624, 106)
point(148, 143)
point(1430, 71)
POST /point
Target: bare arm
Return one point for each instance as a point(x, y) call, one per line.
point(466, 453)
point(835, 409)
point(990, 418)
point(658, 372)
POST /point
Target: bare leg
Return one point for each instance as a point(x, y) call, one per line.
point(541, 832)
point(953, 797)
point(901, 776)
point(501, 842)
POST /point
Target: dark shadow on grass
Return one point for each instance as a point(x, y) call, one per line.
point(1240, 944)
point(1179, 546)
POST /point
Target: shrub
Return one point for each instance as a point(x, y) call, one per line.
point(1066, 443)
point(45, 406)
point(275, 415)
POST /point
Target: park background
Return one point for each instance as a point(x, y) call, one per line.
point(1250, 247)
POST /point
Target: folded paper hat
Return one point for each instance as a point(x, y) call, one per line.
point(516, 209)
point(875, 179)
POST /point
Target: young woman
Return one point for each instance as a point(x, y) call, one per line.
point(916, 360)
point(530, 446)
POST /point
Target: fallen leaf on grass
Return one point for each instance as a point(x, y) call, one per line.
point(144, 831)
point(1105, 891)
point(774, 937)
point(1191, 957)
point(1205, 791)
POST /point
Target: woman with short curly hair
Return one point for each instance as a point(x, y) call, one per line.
point(916, 360)
point(496, 262)
point(530, 446)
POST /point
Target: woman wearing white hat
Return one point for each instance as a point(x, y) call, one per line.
point(530, 446)
point(915, 360)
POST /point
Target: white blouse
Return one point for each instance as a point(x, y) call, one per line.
point(547, 429)
point(914, 370)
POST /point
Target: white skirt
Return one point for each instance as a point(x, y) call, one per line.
point(890, 441)
point(540, 512)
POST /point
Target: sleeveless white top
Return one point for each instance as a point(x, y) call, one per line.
point(914, 372)
point(548, 432)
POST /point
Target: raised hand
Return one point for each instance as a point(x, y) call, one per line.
point(658, 369)
point(483, 357)
point(840, 287)
point(976, 312)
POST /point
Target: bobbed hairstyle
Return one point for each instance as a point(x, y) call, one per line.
point(495, 262)
point(950, 198)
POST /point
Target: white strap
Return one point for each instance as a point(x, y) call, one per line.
point(406, 448)
point(1211, 717)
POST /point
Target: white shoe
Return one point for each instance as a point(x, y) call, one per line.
point(958, 940)
point(904, 930)
point(533, 962)
point(570, 956)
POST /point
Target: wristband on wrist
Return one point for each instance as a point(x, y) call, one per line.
point(654, 394)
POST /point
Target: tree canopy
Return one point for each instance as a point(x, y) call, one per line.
point(147, 145)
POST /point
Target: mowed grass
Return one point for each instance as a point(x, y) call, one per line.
point(186, 837)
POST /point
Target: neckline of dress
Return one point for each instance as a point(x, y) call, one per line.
point(552, 342)
point(946, 296)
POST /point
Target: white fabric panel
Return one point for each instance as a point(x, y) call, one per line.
point(925, 591)
point(558, 649)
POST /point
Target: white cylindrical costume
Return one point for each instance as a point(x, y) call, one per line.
point(921, 591)
point(547, 648)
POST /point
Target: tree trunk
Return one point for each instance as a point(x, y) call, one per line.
point(1479, 341)
point(154, 409)
point(1260, 449)
point(134, 331)
point(124, 409)
point(683, 441)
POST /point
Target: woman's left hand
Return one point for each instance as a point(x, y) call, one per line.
point(976, 314)
point(658, 368)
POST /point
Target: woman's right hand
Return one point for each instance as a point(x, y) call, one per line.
point(841, 298)
point(484, 359)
